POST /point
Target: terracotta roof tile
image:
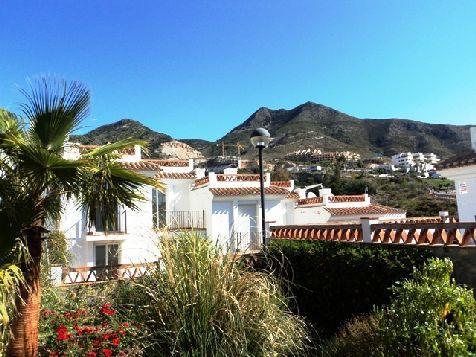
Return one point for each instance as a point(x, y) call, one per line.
point(458, 161)
point(310, 201)
point(447, 234)
point(347, 198)
point(245, 191)
point(175, 175)
point(293, 195)
point(281, 183)
point(355, 211)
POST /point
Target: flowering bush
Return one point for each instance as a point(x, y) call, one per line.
point(91, 332)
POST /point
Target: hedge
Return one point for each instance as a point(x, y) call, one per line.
point(332, 281)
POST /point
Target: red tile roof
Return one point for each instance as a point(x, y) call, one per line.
point(152, 165)
point(248, 191)
point(357, 211)
point(347, 198)
point(175, 175)
point(458, 161)
point(309, 201)
point(293, 195)
point(281, 183)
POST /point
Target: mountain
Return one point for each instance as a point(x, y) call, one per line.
point(123, 129)
point(309, 125)
point(312, 125)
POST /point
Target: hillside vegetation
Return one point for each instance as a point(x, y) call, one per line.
point(309, 125)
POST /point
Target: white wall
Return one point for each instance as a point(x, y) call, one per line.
point(466, 198)
point(465, 185)
point(311, 215)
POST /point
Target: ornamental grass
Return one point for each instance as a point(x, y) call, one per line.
point(202, 302)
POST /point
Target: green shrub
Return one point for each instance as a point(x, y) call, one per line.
point(11, 278)
point(88, 320)
point(332, 282)
point(428, 315)
point(357, 338)
point(199, 302)
point(56, 249)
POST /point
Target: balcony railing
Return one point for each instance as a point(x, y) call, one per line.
point(180, 220)
point(241, 242)
point(105, 273)
point(120, 226)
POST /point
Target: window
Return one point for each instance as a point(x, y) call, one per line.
point(111, 227)
point(158, 208)
point(107, 255)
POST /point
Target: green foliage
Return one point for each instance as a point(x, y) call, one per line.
point(56, 249)
point(333, 281)
point(428, 315)
point(413, 195)
point(10, 279)
point(201, 303)
point(88, 320)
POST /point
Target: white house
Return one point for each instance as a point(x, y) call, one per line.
point(415, 161)
point(462, 169)
point(224, 207)
point(328, 208)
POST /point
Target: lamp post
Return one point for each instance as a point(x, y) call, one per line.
point(260, 139)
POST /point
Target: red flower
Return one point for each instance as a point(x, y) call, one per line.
point(122, 332)
point(125, 324)
point(106, 310)
point(54, 354)
point(62, 333)
point(91, 354)
point(79, 330)
point(115, 341)
point(107, 352)
point(106, 336)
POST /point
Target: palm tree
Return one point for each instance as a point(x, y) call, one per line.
point(35, 179)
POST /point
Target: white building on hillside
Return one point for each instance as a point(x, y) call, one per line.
point(462, 169)
point(415, 161)
point(328, 208)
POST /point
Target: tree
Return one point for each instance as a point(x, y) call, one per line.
point(35, 178)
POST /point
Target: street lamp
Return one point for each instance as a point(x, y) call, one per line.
point(260, 139)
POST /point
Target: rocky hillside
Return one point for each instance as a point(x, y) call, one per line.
point(309, 125)
point(124, 129)
point(313, 125)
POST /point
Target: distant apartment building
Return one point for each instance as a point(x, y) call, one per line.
point(415, 161)
point(316, 155)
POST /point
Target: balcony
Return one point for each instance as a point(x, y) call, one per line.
point(180, 220)
point(117, 232)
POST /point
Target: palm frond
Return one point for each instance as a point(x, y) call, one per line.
point(105, 186)
point(114, 148)
point(54, 110)
point(45, 169)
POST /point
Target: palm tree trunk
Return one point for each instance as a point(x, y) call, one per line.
point(24, 341)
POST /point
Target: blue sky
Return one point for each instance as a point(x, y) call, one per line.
point(197, 69)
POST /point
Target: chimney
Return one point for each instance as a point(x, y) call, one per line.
point(473, 138)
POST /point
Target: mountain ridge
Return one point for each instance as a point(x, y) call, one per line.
point(310, 125)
